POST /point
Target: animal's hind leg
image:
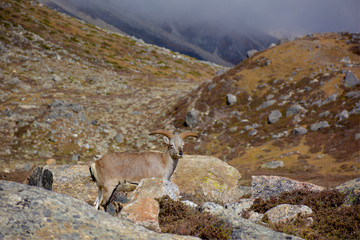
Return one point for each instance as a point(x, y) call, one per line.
point(107, 192)
point(99, 198)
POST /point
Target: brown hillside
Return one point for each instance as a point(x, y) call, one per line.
point(70, 90)
point(308, 72)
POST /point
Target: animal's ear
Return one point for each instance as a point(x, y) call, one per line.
point(166, 140)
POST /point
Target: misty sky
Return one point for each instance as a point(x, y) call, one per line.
point(278, 17)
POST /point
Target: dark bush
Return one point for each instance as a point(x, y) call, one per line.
point(332, 219)
point(177, 218)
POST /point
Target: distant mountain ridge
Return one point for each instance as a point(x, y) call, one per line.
point(204, 42)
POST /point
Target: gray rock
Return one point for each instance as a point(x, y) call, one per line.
point(274, 116)
point(75, 157)
point(295, 109)
point(230, 99)
point(317, 126)
point(155, 188)
point(271, 186)
point(40, 177)
point(29, 212)
point(329, 99)
point(280, 134)
point(285, 213)
point(356, 109)
point(273, 164)
point(308, 89)
point(299, 131)
point(353, 94)
point(251, 53)
point(56, 78)
point(61, 109)
point(343, 115)
point(351, 80)
point(345, 60)
point(253, 132)
point(266, 104)
point(244, 228)
point(191, 118)
point(357, 136)
point(119, 138)
point(352, 191)
point(240, 206)
point(324, 114)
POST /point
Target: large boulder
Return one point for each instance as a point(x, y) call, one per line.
point(29, 212)
point(144, 211)
point(74, 180)
point(208, 176)
point(154, 188)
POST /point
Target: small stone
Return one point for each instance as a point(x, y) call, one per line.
point(75, 157)
point(273, 164)
point(119, 138)
point(357, 136)
point(253, 132)
point(351, 80)
point(191, 118)
point(317, 126)
point(284, 213)
point(56, 78)
point(299, 131)
point(329, 99)
point(266, 104)
point(324, 114)
point(345, 60)
point(353, 94)
point(295, 109)
point(343, 115)
point(274, 116)
point(233, 129)
point(230, 99)
point(251, 53)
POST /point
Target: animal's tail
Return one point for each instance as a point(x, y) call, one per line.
point(92, 171)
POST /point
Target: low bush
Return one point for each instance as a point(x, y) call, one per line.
point(331, 218)
point(177, 218)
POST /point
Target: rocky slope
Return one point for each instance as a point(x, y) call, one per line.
point(70, 90)
point(292, 109)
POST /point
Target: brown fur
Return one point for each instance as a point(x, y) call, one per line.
point(127, 168)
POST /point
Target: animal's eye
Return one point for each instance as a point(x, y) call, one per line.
point(172, 146)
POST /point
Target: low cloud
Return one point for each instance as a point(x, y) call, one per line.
point(277, 17)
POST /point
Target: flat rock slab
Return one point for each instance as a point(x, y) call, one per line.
point(29, 212)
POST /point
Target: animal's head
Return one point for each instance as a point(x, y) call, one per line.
point(175, 142)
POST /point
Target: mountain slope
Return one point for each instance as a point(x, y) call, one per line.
point(203, 41)
point(302, 85)
point(70, 90)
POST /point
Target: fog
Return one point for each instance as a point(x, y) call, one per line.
point(280, 18)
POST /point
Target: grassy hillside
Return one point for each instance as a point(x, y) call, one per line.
point(308, 73)
point(70, 90)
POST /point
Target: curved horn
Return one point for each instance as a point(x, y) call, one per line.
point(166, 133)
point(187, 134)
